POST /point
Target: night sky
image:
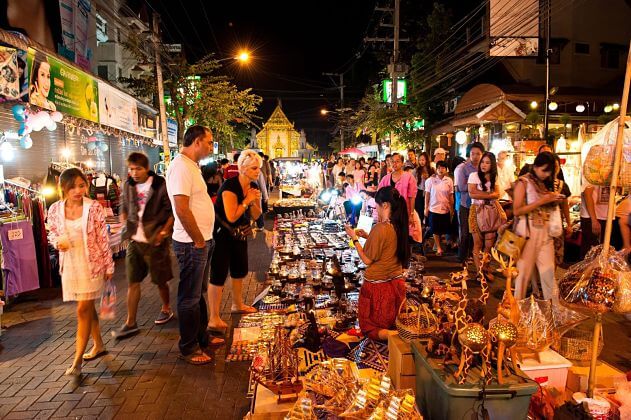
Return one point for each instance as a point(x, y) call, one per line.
point(292, 43)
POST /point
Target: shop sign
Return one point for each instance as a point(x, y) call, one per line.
point(147, 122)
point(9, 73)
point(172, 132)
point(77, 16)
point(117, 109)
point(402, 91)
point(56, 86)
point(505, 39)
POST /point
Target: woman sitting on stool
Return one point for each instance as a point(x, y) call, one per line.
point(386, 253)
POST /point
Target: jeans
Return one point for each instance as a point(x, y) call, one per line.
point(464, 241)
point(192, 313)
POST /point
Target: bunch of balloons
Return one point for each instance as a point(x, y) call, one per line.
point(94, 143)
point(34, 122)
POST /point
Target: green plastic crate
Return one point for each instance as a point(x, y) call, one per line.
point(439, 397)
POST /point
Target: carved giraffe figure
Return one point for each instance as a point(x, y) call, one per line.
point(507, 311)
point(485, 258)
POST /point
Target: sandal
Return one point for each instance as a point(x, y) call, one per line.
point(196, 358)
point(439, 253)
point(73, 371)
point(89, 356)
point(245, 309)
point(216, 341)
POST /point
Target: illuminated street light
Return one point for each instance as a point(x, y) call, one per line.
point(534, 105)
point(608, 109)
point(324, 111)
point(243, 56)
point(580, 108)
point(552, 106)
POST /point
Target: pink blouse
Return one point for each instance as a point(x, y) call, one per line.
point(406, 185)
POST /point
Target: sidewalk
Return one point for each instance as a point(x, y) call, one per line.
point(141, 377)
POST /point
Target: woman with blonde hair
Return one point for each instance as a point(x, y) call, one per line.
point(238, 204)
point(78, 231)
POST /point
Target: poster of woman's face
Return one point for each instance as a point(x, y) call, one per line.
point(42, 82)
point(39, 86)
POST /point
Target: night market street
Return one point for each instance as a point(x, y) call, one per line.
point(141, 377)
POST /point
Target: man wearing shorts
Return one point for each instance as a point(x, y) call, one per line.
point(148, 218)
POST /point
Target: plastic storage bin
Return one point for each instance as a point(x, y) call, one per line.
point(552, 367)
point(439, 397)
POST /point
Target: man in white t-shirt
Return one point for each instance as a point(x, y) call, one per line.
point(594, 205)
point(192, 242)
point(148, 219)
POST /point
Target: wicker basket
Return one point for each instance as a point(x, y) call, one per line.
point(415, 320)
point(577, 345)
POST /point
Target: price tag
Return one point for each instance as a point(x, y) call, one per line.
point(16, 234)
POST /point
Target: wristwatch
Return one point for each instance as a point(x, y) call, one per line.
point(245, 206)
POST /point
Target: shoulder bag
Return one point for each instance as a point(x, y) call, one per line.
point(240, 233)
point(490, 216)
point(511, 243)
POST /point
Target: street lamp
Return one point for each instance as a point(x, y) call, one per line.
point(243, 57)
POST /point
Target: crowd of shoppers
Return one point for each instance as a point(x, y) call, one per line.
point(204, 215)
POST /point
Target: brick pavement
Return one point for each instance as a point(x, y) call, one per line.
point(141, 377)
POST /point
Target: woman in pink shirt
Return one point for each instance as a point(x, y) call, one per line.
point(360, 175)
point(403, 181)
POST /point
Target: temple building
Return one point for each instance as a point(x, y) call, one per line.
point(279, 138)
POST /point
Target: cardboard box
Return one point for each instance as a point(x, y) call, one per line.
point(578, 376)
point(401, 367)
point(551, 365)
point(267, 404)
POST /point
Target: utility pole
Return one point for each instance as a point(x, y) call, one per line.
point(395, 53)
point(548, 51)
point(163, 112)
point(342, 120)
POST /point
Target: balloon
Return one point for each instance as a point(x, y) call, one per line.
point(18, 112)
point(22, 129)
point(91, 146)
point(104, 147)
point(56, 116)
point(26, 142)
point(92, 138)
point(51, 126)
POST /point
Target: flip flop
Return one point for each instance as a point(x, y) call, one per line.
point(247, 310)
point(218, 330)
point(190, 358)
point(216, 341)
point(87, 356)
point(439, 254)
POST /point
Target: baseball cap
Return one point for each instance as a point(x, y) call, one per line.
point(439, 150)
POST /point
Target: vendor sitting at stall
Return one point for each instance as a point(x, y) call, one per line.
point(386, 253)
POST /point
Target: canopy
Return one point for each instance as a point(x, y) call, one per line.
point(352, 151)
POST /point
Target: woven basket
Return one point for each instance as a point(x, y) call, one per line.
point(415, 320)
point(577, 345)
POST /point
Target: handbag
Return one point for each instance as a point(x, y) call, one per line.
point(555, 225)
point(240, 233)
point(490, 216)
point(511, 243)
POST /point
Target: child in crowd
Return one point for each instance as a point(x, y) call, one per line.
point(439, 203)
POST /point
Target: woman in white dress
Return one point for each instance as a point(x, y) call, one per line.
point(78, 231)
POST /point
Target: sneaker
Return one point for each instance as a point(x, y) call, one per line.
point(164, 317)
point(125, 331)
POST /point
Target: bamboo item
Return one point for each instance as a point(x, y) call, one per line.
point(610, 214)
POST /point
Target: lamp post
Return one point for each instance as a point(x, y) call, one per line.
point(339, 112)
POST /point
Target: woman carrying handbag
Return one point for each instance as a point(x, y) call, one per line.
point(534, 202)
point(486, 215)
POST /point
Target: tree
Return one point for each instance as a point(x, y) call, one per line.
point(196, 93)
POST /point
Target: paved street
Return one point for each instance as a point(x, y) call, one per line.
point(141, 377)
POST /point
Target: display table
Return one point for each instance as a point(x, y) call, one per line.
point(438, 396)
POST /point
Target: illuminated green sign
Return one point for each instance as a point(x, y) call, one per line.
point(402, 91)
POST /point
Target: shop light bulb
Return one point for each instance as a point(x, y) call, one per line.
point(553, 106)
point(616, 107)
point(7, 152)
point(356, 200)
point(534, 105)
point(608, 109)
point(580, 108)
point(90, 164)
point(48, 191)
point(65, 153)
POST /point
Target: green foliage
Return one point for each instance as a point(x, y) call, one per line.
point(533, 118)
point(197, 93)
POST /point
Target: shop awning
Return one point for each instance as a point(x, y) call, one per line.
point(501, 112)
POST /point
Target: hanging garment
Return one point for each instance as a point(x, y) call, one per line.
point(41, 245)
point(19, 259)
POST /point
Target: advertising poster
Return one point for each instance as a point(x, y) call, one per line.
point(9, 73)
point(172, 132)
point(55, 86)
point(76, 21)
point(117, 109)
point(147, 122)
